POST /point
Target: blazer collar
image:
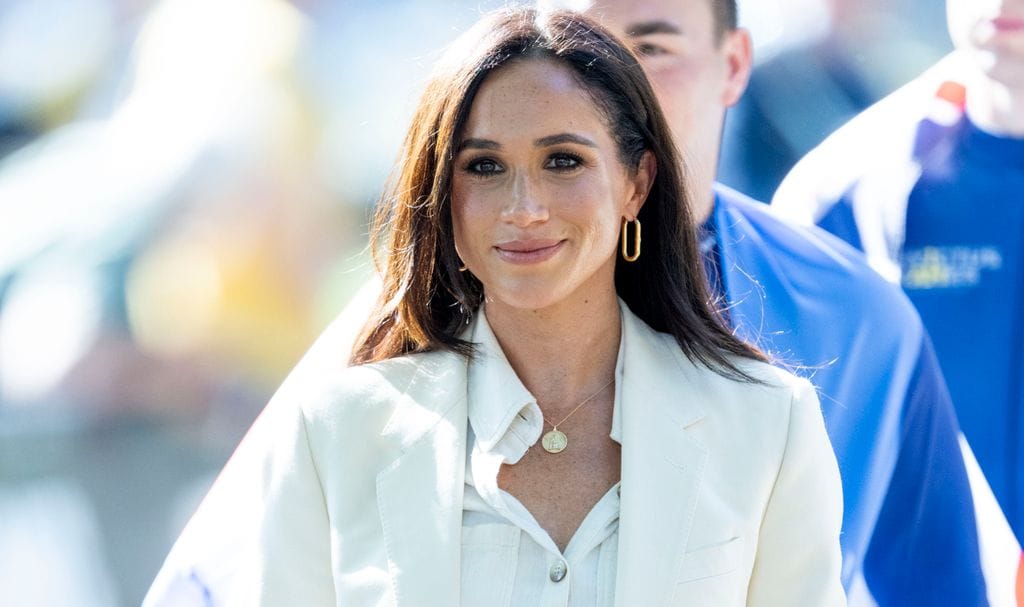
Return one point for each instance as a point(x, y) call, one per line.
point(663, 394)
point(496, 393)
point(419, 495)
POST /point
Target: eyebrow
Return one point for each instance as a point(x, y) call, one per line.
point(563, 138)
point(550, 140)
point(479, 144)
point(646, 28)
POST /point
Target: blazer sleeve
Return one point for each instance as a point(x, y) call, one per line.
point(798, 559)
point(261, 536)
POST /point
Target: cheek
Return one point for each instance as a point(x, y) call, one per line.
point(475, 210)
point(959, 27)
point(596, 207)
point(684, 82)
point(462, 216)
point(676, 87)
point(466, 201)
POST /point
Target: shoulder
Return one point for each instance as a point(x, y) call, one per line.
point(756, 405)
point(774, 392)
point(756, 426)
point(877, 137)
point(371, 400)
point(771, 421)
point(817, 264)
point(801, 243)
point(657, 360)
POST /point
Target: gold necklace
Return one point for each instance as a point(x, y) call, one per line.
point(555, 441)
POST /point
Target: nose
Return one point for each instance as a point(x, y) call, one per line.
point(525, 206)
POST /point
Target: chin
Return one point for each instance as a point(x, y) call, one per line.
point(526, 297)
point(526, 302)
point(1009, 73)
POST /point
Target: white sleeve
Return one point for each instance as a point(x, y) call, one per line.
point(261, 535)
point(798, 560)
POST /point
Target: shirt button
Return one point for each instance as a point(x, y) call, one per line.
point(558, 571)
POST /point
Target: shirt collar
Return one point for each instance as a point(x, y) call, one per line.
point(496, 395)
point(499, 403)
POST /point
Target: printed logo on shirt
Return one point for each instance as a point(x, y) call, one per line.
point(948, 267)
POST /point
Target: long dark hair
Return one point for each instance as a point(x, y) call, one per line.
point(426, 302)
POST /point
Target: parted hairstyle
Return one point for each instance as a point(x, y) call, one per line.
point(426, 302)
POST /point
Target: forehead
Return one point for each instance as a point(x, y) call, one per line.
point(690, 17)
point(531, 97)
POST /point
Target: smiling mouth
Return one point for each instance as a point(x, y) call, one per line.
point(528, 251)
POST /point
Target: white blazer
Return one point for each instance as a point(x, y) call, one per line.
point(348, 489)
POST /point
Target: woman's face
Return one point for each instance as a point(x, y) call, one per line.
point(538, 192)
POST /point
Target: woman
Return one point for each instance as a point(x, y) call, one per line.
point(543, 408)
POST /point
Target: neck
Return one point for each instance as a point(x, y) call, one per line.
point(703, 203)
point(699, 154)
point(996, 108)
point(562, 353)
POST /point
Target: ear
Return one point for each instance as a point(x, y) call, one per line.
point(739, 56)
point(641, 180)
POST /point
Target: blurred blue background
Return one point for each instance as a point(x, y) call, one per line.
point(184, 188)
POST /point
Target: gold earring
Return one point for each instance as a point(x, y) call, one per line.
point(636, 240)
point(463, 268)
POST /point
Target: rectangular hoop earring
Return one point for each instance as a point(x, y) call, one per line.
point(636, 240)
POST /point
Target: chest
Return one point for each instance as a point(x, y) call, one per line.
point(559, 489)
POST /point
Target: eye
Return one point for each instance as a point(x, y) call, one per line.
point(484, 167)
point(563, 162)
point(648, 49)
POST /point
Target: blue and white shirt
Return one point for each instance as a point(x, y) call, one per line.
point(947, 201)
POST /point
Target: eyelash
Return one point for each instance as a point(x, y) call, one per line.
point(576, 162)
point(646, 49)
point(475, 166)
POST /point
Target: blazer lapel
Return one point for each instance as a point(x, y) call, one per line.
point(420, 494)
point(662, 466)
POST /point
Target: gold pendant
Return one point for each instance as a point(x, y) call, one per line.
point(554, 441)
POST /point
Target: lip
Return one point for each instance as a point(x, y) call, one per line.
point(529, 251)
point(1008, 24)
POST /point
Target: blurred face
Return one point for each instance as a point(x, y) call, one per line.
point(992, 31)
point(695, 76)
point(538, 192)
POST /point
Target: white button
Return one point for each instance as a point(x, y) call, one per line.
point(558, 571)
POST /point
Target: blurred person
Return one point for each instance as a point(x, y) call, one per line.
point(810, 87)
point(678, 466)
point(929, 183)
point(909, 532)
point(160, 271)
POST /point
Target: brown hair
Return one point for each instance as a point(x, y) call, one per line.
point(426, 302)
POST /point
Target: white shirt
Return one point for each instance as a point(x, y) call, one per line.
point(508, 559)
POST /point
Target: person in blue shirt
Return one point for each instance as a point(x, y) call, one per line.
point(930, 184)
point(909, 535)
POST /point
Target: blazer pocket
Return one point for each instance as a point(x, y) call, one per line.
point(711, 561)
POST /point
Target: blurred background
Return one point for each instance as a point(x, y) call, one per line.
point(184, 190)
